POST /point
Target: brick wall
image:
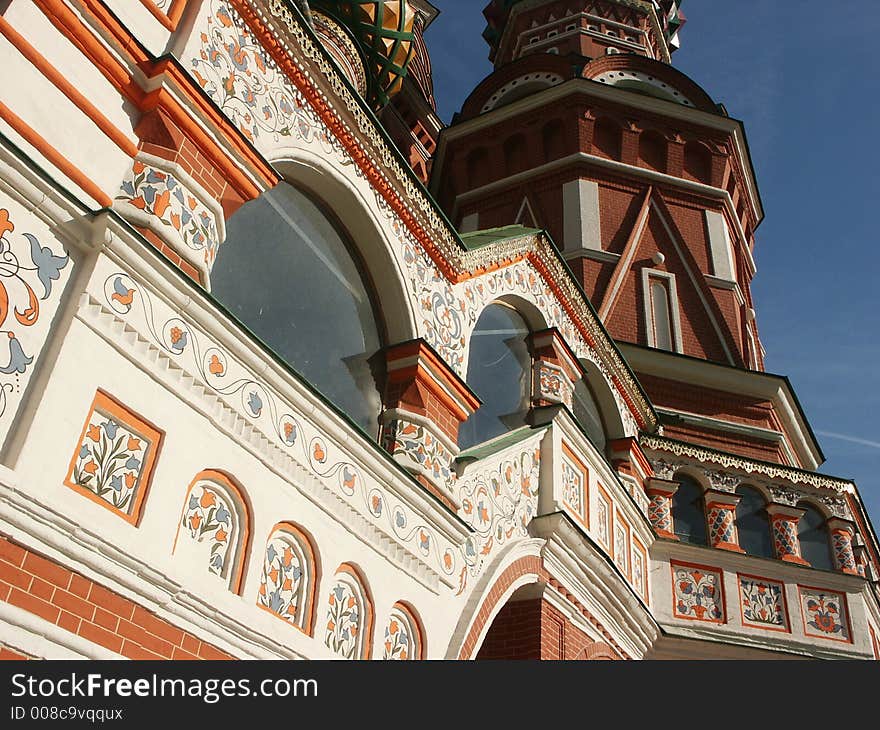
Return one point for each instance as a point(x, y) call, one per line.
point(78, 605)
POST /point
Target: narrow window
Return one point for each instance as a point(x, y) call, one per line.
point(688, 512)
point(813, 536)
point(752, 523)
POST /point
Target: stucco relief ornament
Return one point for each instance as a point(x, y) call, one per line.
point(723, 481)
point(838, 506)
point(17, 281)
point(664, 469)
point(783, 495)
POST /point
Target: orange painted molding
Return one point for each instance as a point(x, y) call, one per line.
point(54, 156)
point(65, 87)
point(172, 18)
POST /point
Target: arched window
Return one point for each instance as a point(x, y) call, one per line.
point(607, 139)
point(287, 274)
point(813, 536)
point(349, 615)
point(213, 529)
point(697, 162)
point(477, 167)
point(499, 366)
point(586, 412)
point(287, 583)
point(689, 512)
point(753, 524)
point(652, 151)
point(553, 136)
point(515, 154)
point(403, 636)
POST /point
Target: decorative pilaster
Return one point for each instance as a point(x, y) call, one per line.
point(555, 370)
point(425, 403)
point(721, 520)
point(784, 521)
point(842, 532)
point(660, 492)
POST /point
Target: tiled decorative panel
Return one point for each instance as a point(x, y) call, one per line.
point(114, 457)
point(762, 603)
point(602, 524)
point(575, 485)
point(639, 568)
point(698, 593)
point(825, 614)
point(621, 544)
point(287, 581)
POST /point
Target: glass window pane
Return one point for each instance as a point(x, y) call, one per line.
point(688, 512)
point(499, 366)
point(752, 523)
point(287, 275)
point(660, 312)
point(586, 411)
point(813, 535)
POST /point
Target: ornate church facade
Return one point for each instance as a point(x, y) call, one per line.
point(292, 369)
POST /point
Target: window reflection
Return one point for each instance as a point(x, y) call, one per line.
point(813, 535)
point(688, 511)
point(287, 275)
point(499, 365)
point(753, 524)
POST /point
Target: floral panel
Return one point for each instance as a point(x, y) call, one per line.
point(416, 446)
point(401, 637)
point(35, 268)
point(114, 460)
point(621, 545)
point(345, 620)
point(825, 614)
point(603, 518)
point(210, 519)
point(763, 603)
point(698, 593)
point(285, 580)
point(640, 569)
point(574, 486)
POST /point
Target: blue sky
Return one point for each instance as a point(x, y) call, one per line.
point(799, 76)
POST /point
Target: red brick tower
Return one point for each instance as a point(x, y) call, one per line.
point(646, 186)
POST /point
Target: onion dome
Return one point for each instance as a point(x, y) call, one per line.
point(383, 33)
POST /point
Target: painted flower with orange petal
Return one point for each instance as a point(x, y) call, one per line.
point(208, 499)
point(134, 444)
point(91, 467)
point(94, 433)
point(221, 535)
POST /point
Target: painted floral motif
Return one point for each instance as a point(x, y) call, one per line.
point(825, 614)
point(162, 195)
point(638, 572)
point(697, 593)
point(284, 579)
point(246, 83)
point(603, 519)
point(110, 460)
point(344, 620)
point(499, 502)
point(209, 516)
point(763, 603)
point(27, 270)
point(421, 448)
point(720, 519)
point(551, 383)
point(573, 487)
point(621, 545)
point(280, 421)
point(401, 639)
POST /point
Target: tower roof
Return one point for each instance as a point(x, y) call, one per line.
point(668, 12)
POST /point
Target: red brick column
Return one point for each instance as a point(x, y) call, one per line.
point(784, 523)
point(721, 520)
point(555, 368)
point(661, 492)
point(425, 403)
point(842, 532)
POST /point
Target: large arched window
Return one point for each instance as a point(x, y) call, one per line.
point(753, 524)
point(689, 512)
point(498, 372)
point(586, 412)
point(287, 274)
point(813, 536)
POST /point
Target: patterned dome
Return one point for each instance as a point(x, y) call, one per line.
point(383, 30)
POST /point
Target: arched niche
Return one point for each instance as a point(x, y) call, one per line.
point(607, 405)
